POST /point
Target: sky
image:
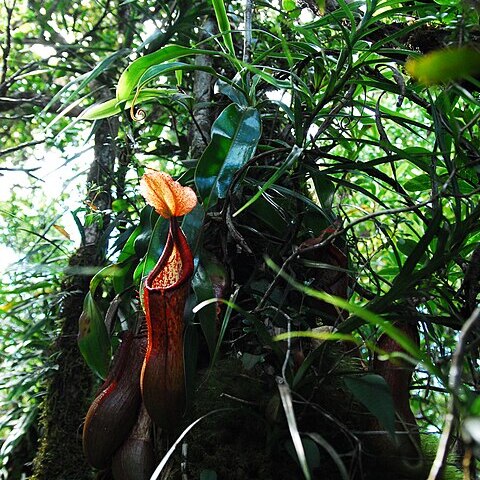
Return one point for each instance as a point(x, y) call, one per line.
point(56, 177)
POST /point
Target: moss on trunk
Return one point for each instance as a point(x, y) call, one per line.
point(60, 454)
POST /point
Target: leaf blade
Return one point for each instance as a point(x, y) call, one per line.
point(235, 135)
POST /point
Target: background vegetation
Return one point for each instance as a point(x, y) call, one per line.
point(331, 152)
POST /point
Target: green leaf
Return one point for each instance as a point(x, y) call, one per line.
point(312, 452)
point(156, 244)
point(249, 360)
point(113, 107)
point(179, 440)
point(406, 276)
point(234, 94)
point(289, 5)
point(108, 271)
point(268, 213)
point(286, 396)
point(192, 224)
point(421, 183)
point(448, 3)
point(140, 238)
point(208, 475)
point(375, 394)
point(93, 339)
point(164, 68)
point(317, 438)
point(475, 407)
point(292, 157)
point(324, 188)
point(86, 78)
point(129, 79)
point(224, 25)
point(64, 112)
point(442, 66)
point(203, 289)
point(120, 205)
point(362, 313)
point(407, 246)
point(235, 135)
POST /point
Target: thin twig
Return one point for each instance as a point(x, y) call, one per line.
point(240, 400)
point(454, 384)
point(10, 150)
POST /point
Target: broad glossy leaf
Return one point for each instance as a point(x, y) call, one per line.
point(234, 94)
point(164, 68)
point(113, 107)
point(207, 316)
point(156, 244)
point(129, 79)
point(374, 393)
point(445, 65)
point(192, 226)
point(93, 339)
point(235, 135)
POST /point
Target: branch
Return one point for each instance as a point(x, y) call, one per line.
point(8, 41)
point(10, 150)
point(32, 99)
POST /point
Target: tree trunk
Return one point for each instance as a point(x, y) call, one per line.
point(60, 454)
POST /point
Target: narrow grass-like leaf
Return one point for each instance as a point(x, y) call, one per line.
point(317, 438)
point(166, 458)
point(223, 328)
point(292, 157)
point(261, 330)
point(287, 403)
point(85, 79)
point(365, 315)
point(64, 112)
point(330, 336)
point(224, 25)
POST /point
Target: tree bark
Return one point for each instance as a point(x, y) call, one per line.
point(60, 454)
point(202, 91)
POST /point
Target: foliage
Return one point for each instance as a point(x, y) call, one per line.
point(335, 191)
